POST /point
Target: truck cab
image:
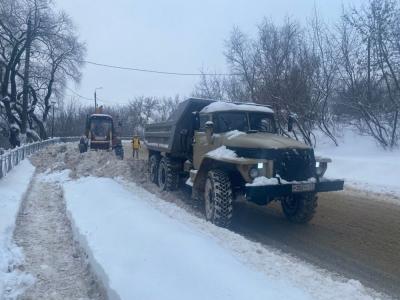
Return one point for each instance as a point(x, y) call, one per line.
point(233, 151)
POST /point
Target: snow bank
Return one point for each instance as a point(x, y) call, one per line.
point(12, 189)
point(146, 248)
point(148, 255)
point(362, 163)
point(225, 106)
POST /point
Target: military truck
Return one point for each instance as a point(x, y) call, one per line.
point(100, 134)
point(233, 151)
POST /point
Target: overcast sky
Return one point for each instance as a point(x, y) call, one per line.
point(169, 35)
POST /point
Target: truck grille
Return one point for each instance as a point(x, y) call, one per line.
point(290, 164)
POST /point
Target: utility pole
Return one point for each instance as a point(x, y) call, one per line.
point(52, 121)
point(95, 100)
point(95, 97)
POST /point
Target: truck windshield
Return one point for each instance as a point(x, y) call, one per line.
point(245, 121)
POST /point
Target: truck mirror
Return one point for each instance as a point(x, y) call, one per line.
point(209, 128)
point(196, 120)
point(290, 123)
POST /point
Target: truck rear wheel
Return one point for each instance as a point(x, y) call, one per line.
point(153, 168)
point(299, 208)
point(218, 198)
point(168, 176)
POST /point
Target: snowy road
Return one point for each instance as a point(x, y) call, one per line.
point(352, 235)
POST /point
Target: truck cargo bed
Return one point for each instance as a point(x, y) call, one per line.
point(175, 135)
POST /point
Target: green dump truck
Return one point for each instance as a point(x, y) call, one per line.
point(229, 151)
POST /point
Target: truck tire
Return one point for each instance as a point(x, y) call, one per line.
point(218, 198)
point(168, 176)
point(153, 168)
point(299, 208)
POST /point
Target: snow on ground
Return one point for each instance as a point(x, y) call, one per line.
point(146, 248)
point(12, 189)
point(362, 164)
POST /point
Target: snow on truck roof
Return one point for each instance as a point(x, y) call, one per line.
point(228, 106)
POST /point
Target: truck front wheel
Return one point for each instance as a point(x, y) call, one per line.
point(218, 198)
point(168, 176)
point(299, 208)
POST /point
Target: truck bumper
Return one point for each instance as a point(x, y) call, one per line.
point(264, 193)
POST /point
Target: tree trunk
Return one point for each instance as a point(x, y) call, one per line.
point(25, 95)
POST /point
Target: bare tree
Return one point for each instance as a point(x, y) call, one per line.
point(371, 69)
point(39, 52)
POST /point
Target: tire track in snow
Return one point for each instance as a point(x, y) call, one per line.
point(57, 263)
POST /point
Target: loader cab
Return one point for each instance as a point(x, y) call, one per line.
point(99, 130)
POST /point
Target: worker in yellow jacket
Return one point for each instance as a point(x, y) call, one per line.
point(135, 146)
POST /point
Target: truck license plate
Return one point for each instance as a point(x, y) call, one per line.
point(303, 187)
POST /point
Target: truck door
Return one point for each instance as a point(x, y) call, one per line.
point(200, 143)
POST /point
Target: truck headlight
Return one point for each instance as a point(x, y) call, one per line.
point(321, 168)
point(253, 173)
point(322, 165)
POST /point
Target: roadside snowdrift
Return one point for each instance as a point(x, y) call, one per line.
point(146, 248)
point(12, 189)
point(362, 164)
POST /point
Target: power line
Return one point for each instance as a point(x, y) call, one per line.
point(79, 95)
point(85, 98)
point(156, 71)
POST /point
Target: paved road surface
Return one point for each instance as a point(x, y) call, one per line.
point(351, 234)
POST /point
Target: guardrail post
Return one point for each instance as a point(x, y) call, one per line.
point(9, 163)
point(1, 167)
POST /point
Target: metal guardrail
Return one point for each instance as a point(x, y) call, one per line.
point(69, 139)
point(11, 158)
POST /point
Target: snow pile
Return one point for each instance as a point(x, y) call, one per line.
point(228, 106)
point(12, 189)
point(146, 248)
point(362, 164)
point(67, 156)
point(222, 152)
point(262, 180)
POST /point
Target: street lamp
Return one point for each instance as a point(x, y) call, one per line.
point(95, 97)
point(53, 104)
